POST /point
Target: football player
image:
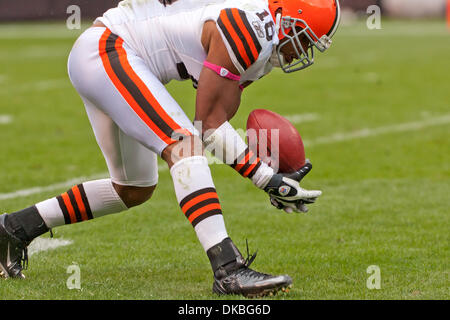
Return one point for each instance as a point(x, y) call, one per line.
point(120, 65)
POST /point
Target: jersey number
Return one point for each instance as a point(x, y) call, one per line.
point(268, 26)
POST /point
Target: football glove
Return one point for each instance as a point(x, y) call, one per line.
point(285, 192)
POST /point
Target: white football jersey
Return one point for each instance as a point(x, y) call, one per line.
point(168, 38)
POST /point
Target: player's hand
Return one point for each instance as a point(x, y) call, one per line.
point(285, 191)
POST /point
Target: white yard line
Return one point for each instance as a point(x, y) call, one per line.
point(366, 133)
point(302, 117)
point(52, 187)
point(44, 85)
point(5, 118)
point(66, 184)
point(49, 84)
point(44, 244)
point(335, 138)
point(394, 30)
point(35, 52)
point(39, 31)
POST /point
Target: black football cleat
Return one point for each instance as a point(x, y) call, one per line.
point(13, 253)
point(232, 274)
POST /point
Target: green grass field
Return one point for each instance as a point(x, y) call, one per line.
point(377, 119)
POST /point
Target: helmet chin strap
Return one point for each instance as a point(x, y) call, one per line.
point(278, 23)
point(274, 60)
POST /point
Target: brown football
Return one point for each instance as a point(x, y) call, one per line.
point(276, 140)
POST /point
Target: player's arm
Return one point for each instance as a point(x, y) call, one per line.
point(218, 99)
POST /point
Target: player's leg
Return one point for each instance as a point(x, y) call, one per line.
point(133, 98)
point(199, 202)
point(194, 188)
point(154, 118)
point(82, 202)
point(133, 168)
point(132, 183)
point(133, 178)
point(150, 115)
point(133, 171)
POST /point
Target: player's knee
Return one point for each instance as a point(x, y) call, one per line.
point(188, 147)
point(133, 196)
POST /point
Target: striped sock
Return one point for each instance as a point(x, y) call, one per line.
point(74, 205)
point(198, 199)
point(82, 202)
point(200, 205)
point(247, 164)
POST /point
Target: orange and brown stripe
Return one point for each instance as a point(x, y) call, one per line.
point(74, 205)
point(200, 205)
point(240, 36)
point(135, 91)
point(247, 163)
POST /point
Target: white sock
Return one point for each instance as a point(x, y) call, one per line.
point(197, 196)
point(82, 202)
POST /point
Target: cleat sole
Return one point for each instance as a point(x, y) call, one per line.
point(268, 292)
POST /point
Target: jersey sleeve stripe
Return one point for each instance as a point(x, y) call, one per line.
point(228, 31)
point(240, 33)
point(240, 36)
point(248, 32)
point(134, 90)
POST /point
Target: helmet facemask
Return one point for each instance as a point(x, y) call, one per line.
point(293, 33)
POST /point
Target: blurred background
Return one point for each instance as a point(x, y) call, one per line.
point(56, 9)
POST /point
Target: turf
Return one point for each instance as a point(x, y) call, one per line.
point(386, 191)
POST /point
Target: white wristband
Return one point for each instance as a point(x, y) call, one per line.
point(262, 176)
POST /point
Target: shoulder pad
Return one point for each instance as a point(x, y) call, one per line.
point(246, 35)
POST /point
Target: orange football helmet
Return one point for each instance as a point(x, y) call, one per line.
point(317, 20)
